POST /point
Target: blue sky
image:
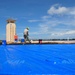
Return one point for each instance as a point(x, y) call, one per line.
point(46, 19)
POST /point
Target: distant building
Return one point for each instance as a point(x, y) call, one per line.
point(10, 30)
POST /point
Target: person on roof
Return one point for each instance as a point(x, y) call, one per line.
point(26, 35)
point(15, 37)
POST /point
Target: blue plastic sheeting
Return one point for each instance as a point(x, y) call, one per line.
point(3, 42)
point(37, 59)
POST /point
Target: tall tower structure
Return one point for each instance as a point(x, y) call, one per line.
point(10, 30)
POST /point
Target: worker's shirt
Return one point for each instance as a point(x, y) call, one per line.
point(15, 37)
point(26, 32)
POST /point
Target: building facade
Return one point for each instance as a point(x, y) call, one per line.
point(10, 30)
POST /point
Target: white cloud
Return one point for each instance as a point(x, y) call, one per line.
point(43, 28)
point(57, 9)
point(46, 17)
point(72, 11)
point(34, 33)
point(70, 32)
point(33, 20)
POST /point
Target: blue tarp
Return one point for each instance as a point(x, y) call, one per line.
point(37, 59)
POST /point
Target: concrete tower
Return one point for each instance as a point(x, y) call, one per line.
point(10, 30)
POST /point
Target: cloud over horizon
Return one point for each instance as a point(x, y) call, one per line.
point(59, 21)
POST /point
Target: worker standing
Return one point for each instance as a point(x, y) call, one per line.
point(26, 35)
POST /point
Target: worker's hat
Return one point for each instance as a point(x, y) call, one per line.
point(27, 28)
